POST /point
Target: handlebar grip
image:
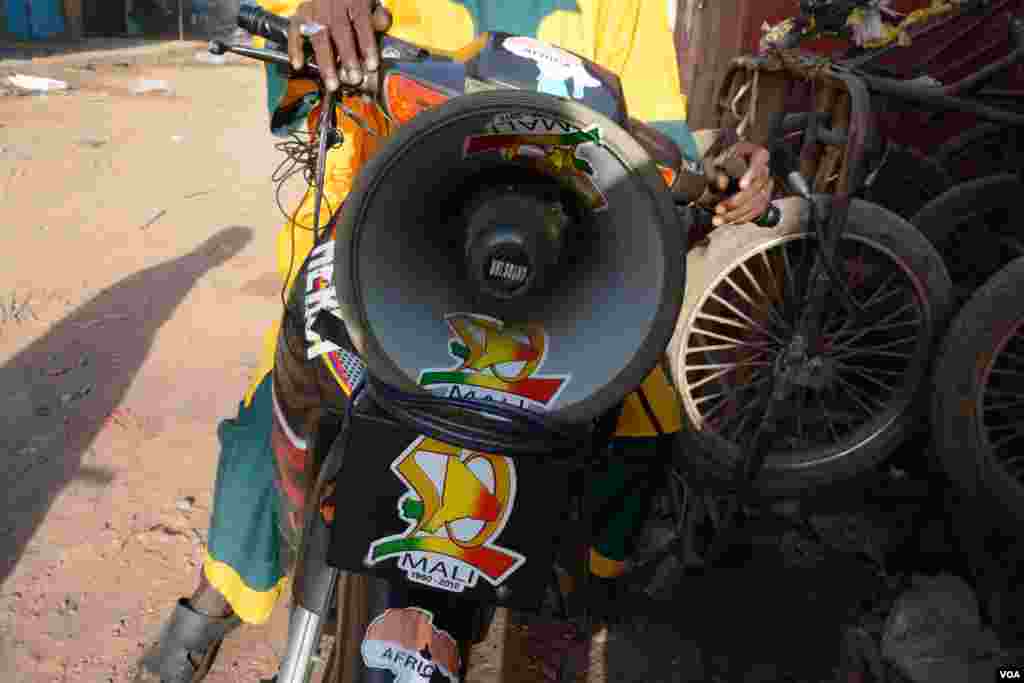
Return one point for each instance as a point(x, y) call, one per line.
point(259, 22)
point(734, 167)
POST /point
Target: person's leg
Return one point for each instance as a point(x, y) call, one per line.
point(619, 498)
point(243, 574)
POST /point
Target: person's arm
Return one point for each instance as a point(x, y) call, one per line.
point(651, 49)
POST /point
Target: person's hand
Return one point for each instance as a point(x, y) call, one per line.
point(756, 186)
point(342, 33)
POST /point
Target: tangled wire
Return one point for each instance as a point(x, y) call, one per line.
point(300, 152)
point(300, 157)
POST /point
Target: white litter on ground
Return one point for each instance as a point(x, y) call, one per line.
point(36, 83)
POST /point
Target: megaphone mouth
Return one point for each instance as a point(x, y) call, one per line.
point(508, 270)
point(448, 228)
point(514, 236)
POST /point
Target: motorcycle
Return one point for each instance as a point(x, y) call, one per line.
point(424, 514)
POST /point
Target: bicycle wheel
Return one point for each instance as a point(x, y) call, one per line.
point(986, 149)
point(745, 294)
point(978, 406)
point(970, 226)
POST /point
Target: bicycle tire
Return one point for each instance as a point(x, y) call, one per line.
point(711, 457)
point(985, 149)
point(990, 321)
point(967, 216)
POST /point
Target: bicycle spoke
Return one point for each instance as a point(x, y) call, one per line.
point(800, 403)
point(899, 311)
point(737, 343)
point(828, 416)
point(790, 283)
point(871, 300)
point(739, 364)
point(750, 320)
point(770, 270)
point(874, 381)
point(879, 347)
point(854, 392)
point(757, 286)
point(884, 327)
point(727, 321)
point(873, 370)
point(731, 396)
point(769, 311)
point(716, 347)
point(885, 354)
point(735, 434)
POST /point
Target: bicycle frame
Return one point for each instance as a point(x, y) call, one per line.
point(767, 83)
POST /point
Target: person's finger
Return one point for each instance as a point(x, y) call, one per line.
point(343, 33)
point(744, 206)
point(751, 210)
point(757, 161)
point(362, 26)
point(743, 197)
point(295, 38)
point(722, 182)
point(758, 166)
point(325, 60)
point(381, 19)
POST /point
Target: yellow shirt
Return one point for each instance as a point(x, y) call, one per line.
point(632, 38)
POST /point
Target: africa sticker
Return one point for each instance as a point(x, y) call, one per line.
point(406, 643)
point(495, 363)
point(555, 148)
point(557, 67)
point(457, 504)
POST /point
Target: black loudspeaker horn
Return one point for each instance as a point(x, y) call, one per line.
point(511, 246)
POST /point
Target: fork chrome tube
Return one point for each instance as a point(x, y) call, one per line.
point(304, 631)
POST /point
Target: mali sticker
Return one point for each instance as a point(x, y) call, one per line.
point(457, 505)
point(555, 148)
point(495, 363)
point(406, 643)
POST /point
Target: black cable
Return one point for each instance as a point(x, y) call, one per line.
point(504, 428)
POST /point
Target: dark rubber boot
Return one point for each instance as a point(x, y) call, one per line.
point(189, 644)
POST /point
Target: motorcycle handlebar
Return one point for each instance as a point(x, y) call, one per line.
point(259, 22)
point(274, 28)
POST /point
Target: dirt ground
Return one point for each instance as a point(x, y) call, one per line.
point(139, 275)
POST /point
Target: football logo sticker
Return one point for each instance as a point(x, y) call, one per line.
point(555, 148)
point(496, 363)
point(457, 505)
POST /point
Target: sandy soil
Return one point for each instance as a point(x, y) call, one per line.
point(125, 346)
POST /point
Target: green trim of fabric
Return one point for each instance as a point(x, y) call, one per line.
point(625, 489)
point(244, 521)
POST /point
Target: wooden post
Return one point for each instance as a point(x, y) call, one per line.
point(181, 20)
point(74, 21)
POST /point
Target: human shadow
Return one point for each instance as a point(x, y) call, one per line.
point(57, 393)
